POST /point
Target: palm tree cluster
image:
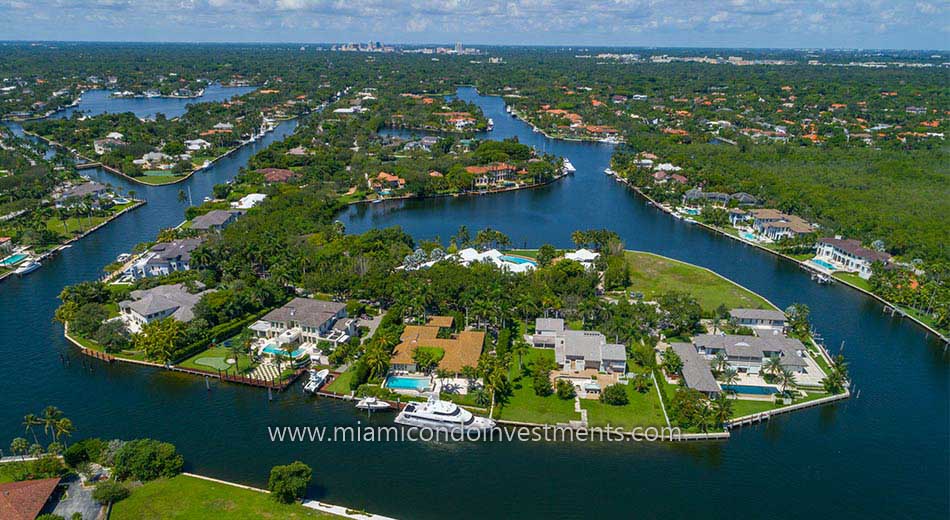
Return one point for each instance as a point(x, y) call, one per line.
point(56, 428)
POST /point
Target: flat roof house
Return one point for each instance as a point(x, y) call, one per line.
point(849, 255)
point(768, 321)
point(576, 350)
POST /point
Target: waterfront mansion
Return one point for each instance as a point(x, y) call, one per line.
point(578, 350)
point(305, 321)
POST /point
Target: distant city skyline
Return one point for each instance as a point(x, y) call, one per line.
point(871, 24)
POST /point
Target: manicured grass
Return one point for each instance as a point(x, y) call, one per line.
point(215, 358)
point(526, 406)
point(653, 275)
point(92, 345)
point(75, 225)
point(742, 407)
point(158, 180)
point(341, 385)
point(642, 410)
point(853, 279)
point(527, 253)
point(184, 498)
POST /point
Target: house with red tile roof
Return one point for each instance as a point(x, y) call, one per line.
point(25, 500)
point(278, 174)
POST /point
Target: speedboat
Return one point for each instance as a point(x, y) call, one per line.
point(316, 380)
point(491, 124)
point(435, 414)
point(609, 171)
point(372, 404)
point(27, 267)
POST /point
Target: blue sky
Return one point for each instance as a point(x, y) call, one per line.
point(906, 24)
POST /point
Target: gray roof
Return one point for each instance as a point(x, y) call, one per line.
point(754, 347)
point(554, 324)
point(213, 219)
point(164, 298)
point(757, 314)
point(178, 250)
point(614, 352)
point(696, 371)
point(579, 343)
point(82, 190)
point(305, 311)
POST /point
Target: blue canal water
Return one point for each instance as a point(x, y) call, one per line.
point(882, 455)
point(101, 101)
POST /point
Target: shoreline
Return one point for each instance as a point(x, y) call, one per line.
point(800, 263)
point(90, 163)
point(67, 243)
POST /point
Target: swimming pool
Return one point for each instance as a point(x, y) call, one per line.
point(274, 350)
point(13, 259)
point(822, 263)
point(691, 211)
point(518, 260)
point(746, 235)
point(419, 384)
point(751, 389)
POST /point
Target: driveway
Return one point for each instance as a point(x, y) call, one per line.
point(76, 499)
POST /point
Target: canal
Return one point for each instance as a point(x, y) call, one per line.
point(884, 454)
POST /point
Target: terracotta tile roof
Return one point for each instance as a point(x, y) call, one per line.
point(461, 350)
point(24, 500)
point(277, 174)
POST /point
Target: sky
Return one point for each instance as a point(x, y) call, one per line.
point(876, 24)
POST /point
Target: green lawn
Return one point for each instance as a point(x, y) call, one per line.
point(75, 225)
point(653, 275)
point(853, 279)
point(742, 407)
point(214, 359)
point(92, 345)
point(642, 410)
point(341, 385)
point(157, 180)
point(525, 406)
point(184, 498)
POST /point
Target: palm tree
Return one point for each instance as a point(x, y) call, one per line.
point(722, 409)
point(51, 415)
point(720, 363)
point(730, 377)
point(63, 428)
point(773, 366)
point(787, 378)
point(19, 446)
point(29, 421)
point(377, 359)
point(703, 416)
point(520, 348)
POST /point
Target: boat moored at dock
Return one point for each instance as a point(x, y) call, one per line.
point(435, 414)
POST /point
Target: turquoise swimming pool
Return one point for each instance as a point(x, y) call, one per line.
point(822, 263)
point(750, 389)
point(691, 211)
point(13, 259)
point(274, 350)
point(746, 235)
point(518, 260)
point(419, 384)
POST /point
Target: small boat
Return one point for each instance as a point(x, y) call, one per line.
point(609, 171)
point(821, 278)
point(372, 404)
point(316, 380)
point(206, 199)
point(491, 124)
point(27, 267)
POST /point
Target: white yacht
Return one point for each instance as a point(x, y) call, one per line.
point(568, 167)
point(441, 415)
point(316, 380)
point(491, 124)
point(27, 267)
point(609, 171)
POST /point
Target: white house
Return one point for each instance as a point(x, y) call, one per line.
point(761, 320)
point(848, 255)
point(583, 256)
point(305, 320)
point(164, 301)
point(249, 201)
point(195, 145)
point(577, 350)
